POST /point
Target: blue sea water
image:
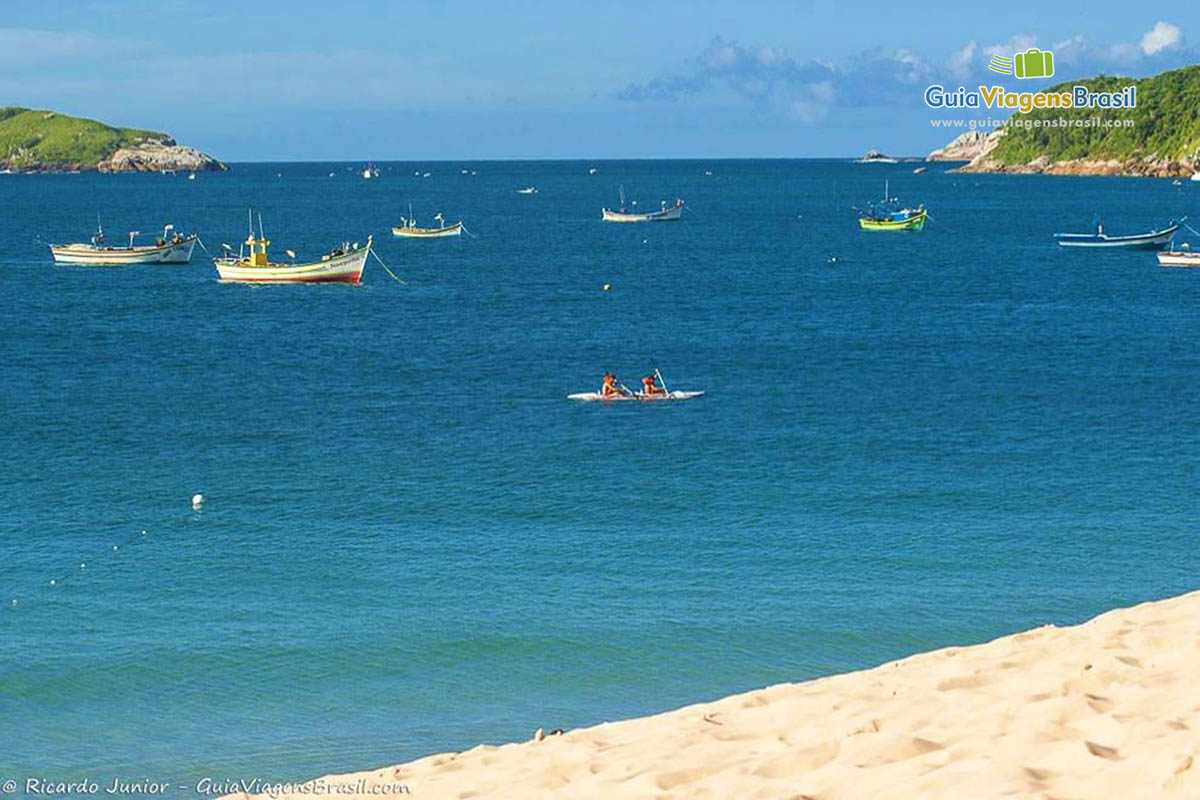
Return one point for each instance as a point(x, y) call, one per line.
point(413, 543)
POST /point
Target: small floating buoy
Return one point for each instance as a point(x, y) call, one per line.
point(116, 547)
point(82, 565)
point(53, 582)
point(13, 602)
point(197, 501)
point(607, 287)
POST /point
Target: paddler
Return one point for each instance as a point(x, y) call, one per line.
point(650, 387)
point(611, 388)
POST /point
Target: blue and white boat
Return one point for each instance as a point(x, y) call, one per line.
point(1154, 240)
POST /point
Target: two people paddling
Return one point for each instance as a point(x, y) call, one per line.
point(650, 386)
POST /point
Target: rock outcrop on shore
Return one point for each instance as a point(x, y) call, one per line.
point(1146, 167)
point(1109, 708)
point(46, 141)
point(158, 155)
point(1156, 136)
point(968, 146)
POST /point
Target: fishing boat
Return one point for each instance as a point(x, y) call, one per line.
point(667, 213)
point(888, 215)
point(168, 248)
point(408, 228)
point(875, 157)
point(343, 264)
point(527, 190)
point(370, 171)
point(1183, 257)
point(1153, 240)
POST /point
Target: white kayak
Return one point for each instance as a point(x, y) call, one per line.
point(596, 397)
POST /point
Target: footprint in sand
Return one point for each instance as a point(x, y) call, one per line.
point(1101, 751)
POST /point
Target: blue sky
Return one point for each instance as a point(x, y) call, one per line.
point(369, 79)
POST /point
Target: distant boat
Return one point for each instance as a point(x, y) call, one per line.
point(343, 264)
point(370, 171)
point(1195, 176)
point(408, 228)
point(1153, 240)
point(875, 157)
point(191, 176)
point(592, 171)
point(1183, 257)
point(667, 213)
point(888, 215)
point(528, 190)
point(169, 248)
point(919, 170)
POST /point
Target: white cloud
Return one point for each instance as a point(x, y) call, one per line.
point(1160, 37)
point(960, 62)
point(1016, 44)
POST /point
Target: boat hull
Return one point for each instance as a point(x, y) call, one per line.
point(914, 223)
point(428, 233)
point(596, 397)
point(346, 268)
point(1177, 258)
point(90, 255)
point(1155, 240)
point(666, 215)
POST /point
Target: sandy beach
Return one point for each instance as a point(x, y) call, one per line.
point(1109, 708)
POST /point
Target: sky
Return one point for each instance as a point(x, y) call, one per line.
point(266, 80)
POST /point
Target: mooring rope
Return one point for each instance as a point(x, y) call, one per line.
point(395, 277)
point(467, 232)
point(200, 242)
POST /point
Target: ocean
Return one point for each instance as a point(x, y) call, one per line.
point(412, 542)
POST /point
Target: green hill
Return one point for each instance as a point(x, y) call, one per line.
point(32, 140)
point(1166, 125)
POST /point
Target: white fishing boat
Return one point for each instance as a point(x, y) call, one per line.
point(667, 213)
point(1183, 257)
point(528, 190)
point(168, 248)
point(370, 171)
point(408, 228)
point(343, 264)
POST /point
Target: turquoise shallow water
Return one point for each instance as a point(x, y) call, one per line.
point(412, 543)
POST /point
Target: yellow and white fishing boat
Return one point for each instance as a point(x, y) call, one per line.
point(168, 248)
point(408, 228)
point(343, 264)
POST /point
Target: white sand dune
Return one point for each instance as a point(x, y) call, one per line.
point(1107, 709)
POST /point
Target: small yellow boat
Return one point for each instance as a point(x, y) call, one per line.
point(408, 228)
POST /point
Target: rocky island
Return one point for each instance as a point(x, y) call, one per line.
point(46, 141)
point(1163, 140)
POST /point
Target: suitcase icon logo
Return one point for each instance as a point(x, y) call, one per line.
point(1033, 63)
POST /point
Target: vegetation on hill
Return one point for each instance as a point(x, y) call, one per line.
point(1166, 124)
point(31, 139)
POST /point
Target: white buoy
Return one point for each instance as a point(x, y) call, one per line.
point(197, 501)
point(82, 565)
point(53, 582)
point(14, 601)
point(116, 548)
point(607, 287)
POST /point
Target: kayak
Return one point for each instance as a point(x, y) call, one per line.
point(596, 397)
